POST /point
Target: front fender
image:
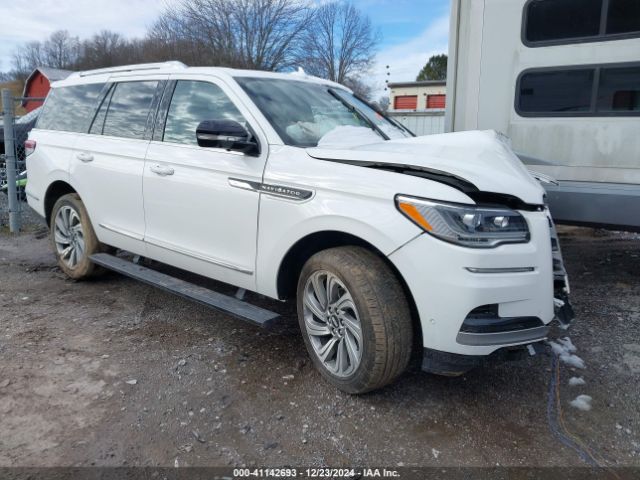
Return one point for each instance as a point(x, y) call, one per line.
point(284, 223)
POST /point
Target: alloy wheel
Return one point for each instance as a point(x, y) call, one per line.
point(68, 236)
point(332, 323)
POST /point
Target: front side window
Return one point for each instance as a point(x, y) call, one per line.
point(127, 110)
point(607, 90)
point(70, 109)
point(303, 113)
point(571, 21)
point(194, 102)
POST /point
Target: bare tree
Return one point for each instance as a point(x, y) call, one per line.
point(254, 34)
point(341, 44)
point(61, 50)
point(104, 49)
point(26, 58)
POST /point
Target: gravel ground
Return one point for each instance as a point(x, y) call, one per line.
point(112, 372)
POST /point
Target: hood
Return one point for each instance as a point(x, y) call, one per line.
point(481, 158)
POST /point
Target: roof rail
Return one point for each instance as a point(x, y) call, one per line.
point(131, 68)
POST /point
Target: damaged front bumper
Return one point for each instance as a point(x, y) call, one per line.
point(561, 290)
point(484, 326)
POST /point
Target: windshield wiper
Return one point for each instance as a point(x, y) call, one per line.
point(362, 116)
point(389, 119)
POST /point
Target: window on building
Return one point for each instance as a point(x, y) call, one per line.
point(619, 90)
point(608, 90)
point(549, 20)
point(623, 16)
point(70, 109)
point(571, 21)
point(192, 103)
point(405, 102)
point(436, 101)
point(562, 91)
point(128, 109)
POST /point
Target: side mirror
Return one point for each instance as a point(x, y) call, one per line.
point(227, 134)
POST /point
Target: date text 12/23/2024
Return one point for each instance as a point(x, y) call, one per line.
point(350, 473)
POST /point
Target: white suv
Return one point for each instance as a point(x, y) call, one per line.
point(292, 187)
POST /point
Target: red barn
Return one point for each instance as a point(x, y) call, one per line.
point(39, 83)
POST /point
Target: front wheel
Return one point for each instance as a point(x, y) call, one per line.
point(73, 238)
point(354, 318)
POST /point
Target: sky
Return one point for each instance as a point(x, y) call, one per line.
point(411, 30)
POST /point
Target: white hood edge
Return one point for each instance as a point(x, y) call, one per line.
point(482, 158)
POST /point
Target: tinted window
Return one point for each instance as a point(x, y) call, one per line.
point(549, 20)
point(623, 16)
point(128, 109)
point(619, 89)
point(563, 91)
point(192, 103)
point(70, 108)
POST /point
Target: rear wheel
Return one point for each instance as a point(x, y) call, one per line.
point(354, 318)
point(73, 238)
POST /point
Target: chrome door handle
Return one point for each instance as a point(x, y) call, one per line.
point(162, 170)
point(84, 157)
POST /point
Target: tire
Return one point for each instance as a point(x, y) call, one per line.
point(70, 231)
point(371, 295)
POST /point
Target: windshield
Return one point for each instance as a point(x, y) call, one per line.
point(305, 113)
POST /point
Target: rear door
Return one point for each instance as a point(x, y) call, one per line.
point(195, 218)
point(67, 113)
point(107, 163)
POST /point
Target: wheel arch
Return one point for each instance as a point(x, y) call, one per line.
point(295, 258)
point(56, 190)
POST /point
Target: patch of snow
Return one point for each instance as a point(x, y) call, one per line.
point(567, 344)
point(573, 381)
point(581, 402)
point(572, 360)
point(564, 349)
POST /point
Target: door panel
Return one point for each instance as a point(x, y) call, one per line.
point(109, 181)
point(194, 218)
point(107, 165)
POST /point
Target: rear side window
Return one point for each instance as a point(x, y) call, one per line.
point(127, 110)
point(572, 21)
point(598, 90)
point(70, 109)
point(192, 103)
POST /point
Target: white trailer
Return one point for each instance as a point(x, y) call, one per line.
point(561, 78)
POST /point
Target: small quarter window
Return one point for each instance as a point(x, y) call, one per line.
point(194, 102)
point(70, 109)
point(128, 109)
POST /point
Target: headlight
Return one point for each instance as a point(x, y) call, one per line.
point(467, 225)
